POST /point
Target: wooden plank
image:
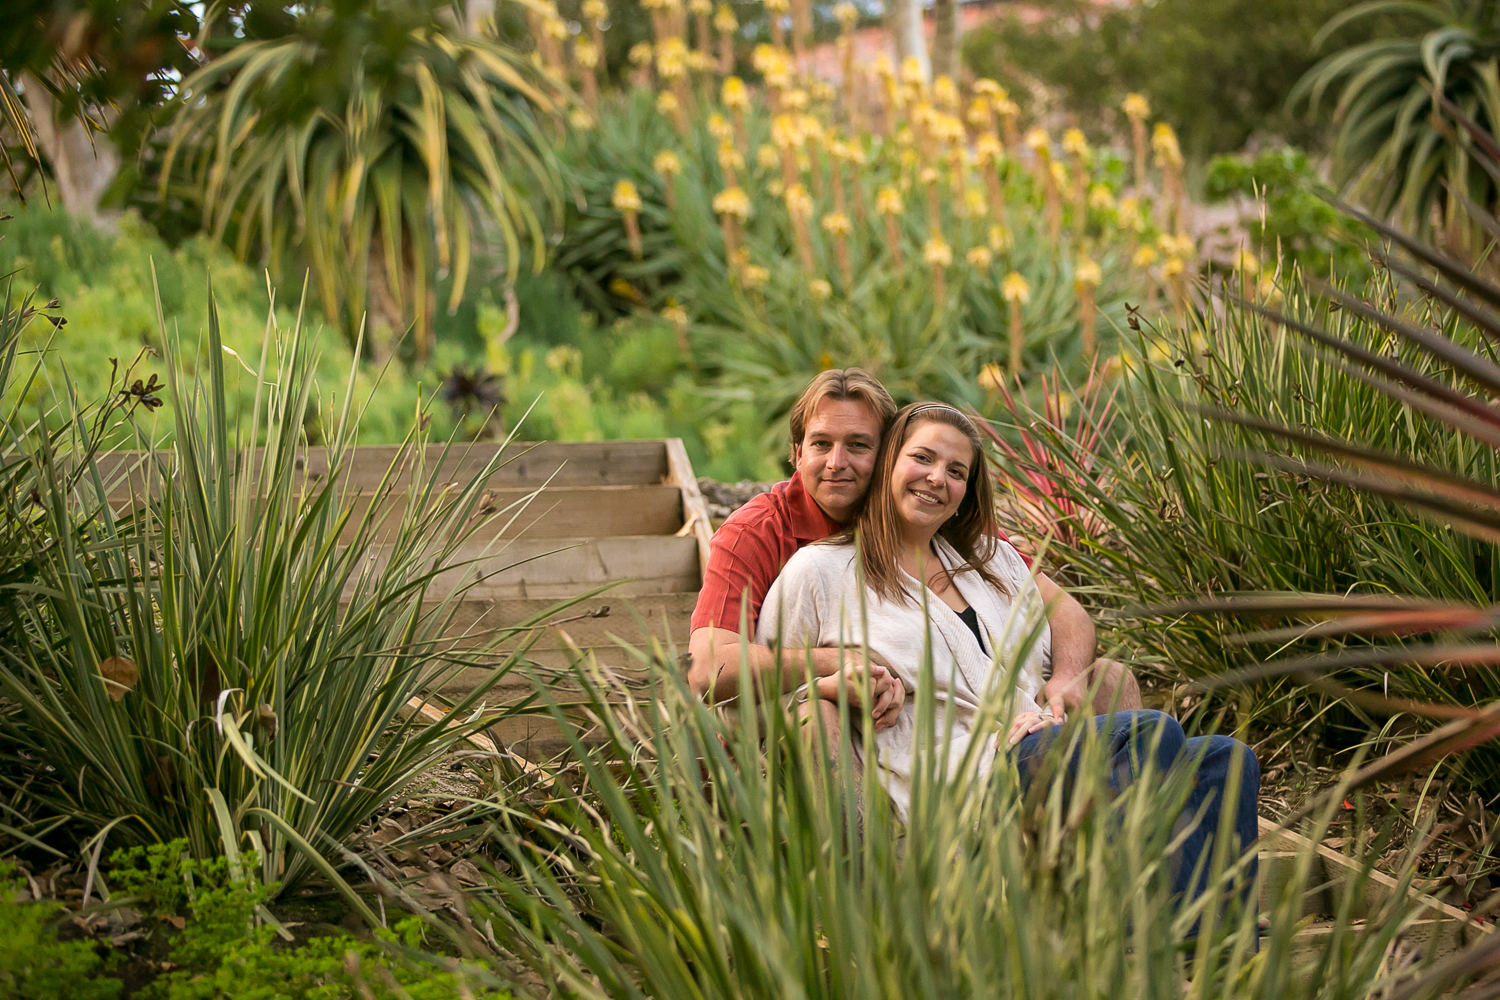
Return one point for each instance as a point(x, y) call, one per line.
point(598, 621)
point(556, 569)
point(555, 512)
point(1340, 871)
point(528, 464)
point(694, 507)
point(1277, 868)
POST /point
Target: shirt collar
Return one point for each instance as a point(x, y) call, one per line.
point(809, 521)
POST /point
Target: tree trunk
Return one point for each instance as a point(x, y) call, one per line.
point(904, 25)
point(945, 39)
point(84, 165)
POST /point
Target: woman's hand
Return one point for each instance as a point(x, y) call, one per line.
point(887, 693)
point(1023, 726)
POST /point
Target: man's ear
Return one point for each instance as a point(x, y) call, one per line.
point(796, 456)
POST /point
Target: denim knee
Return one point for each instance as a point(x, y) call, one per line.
point(1161, 729)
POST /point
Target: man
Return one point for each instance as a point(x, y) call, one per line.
point(836, 428)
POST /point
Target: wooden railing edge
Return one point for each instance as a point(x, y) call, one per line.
point(694, 507)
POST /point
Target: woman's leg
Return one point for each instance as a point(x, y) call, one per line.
point(1133, 738)
point(1224, 763)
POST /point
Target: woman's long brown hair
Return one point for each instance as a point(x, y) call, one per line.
point(971, 530)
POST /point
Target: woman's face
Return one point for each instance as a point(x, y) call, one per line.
point(931, 475)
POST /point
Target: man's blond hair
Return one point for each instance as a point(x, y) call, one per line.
point(840, 384)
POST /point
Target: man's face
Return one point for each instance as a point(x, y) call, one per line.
point(837, 455)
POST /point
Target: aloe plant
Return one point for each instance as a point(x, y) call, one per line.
point(216, 642)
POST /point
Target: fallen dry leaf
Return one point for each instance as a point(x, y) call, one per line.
point(467, 873)
point(120, 675)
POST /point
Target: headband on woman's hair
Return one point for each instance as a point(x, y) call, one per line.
point(940, 406)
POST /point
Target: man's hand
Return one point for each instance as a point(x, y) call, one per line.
point(887, 693)
point(1065, 695)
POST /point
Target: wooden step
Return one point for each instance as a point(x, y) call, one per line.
point(525, 465)
point(553, 512)
point(555, 569)
point(598, 621)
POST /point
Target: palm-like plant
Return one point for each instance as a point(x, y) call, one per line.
point(1393, 151)
point(379, 145)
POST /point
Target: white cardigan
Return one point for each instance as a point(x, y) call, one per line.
point(817, 602)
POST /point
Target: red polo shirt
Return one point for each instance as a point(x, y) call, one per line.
point(750, 548)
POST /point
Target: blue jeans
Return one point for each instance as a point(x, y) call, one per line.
point(1131, 737)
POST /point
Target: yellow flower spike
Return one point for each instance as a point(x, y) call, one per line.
point(724, 20)
point(796, 99)
point(667, 164)
point(822, 91)
point(753, 276)
point(991, 377)
point(937, 253)
point(987, 148)
point(998, 238)
point(1164, 143)
point(584, 54)
point(719, 127)
point(734, 93)
point(703, 7)
point(1039, 142)
point(944, 92)
point(1088, 274)
point(799, 203)
point(974, 202)
point(764, 57)
point(641, 54)
point(819, 289)
point(988, 88)
point(1006, 108)
point(1136, 106)
point(774, 187)
point(676, 315)
point(1015, 289)
point(1101, 198)
point(778, 6)
point(1129, 211)
point(810, 127)
point(911, 72)
point(905, 136)
point(1144, 257)
point(766, 157)
point(888, 201)
point(580, 119)
point(845, 13)
point(883, 67)
point(837, 224)
point(1075, 144)
point(928, 175)
point(732, 201)
point(595, 10)
point(626, 198)
point(1173, 267)
point(556, 28)
point(979, 112)
point(980, 257)
point(947, 128)
point(1269, 291)
point(784, 132)
point(1246, 262)
point(700, 62)
point(666, 103)
point(730, 158)
point(1059, 173)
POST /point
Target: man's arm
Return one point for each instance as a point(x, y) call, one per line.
point(1073, 647)
point(716, 655)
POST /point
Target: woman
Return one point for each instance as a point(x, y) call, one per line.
point(937, 581)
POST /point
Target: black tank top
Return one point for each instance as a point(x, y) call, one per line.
point(971, 618)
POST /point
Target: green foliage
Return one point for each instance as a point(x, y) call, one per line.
point(728, 859)
point(104, 284)
point(1220, 70)
point(34, 963)
point(1290, 222)
point(223, 664)
point(755, 346)
point(1394, 151)
point(225, 951)
point(1183, 519)
point(428, 134)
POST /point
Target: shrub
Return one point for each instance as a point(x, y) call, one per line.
point(34, 963)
